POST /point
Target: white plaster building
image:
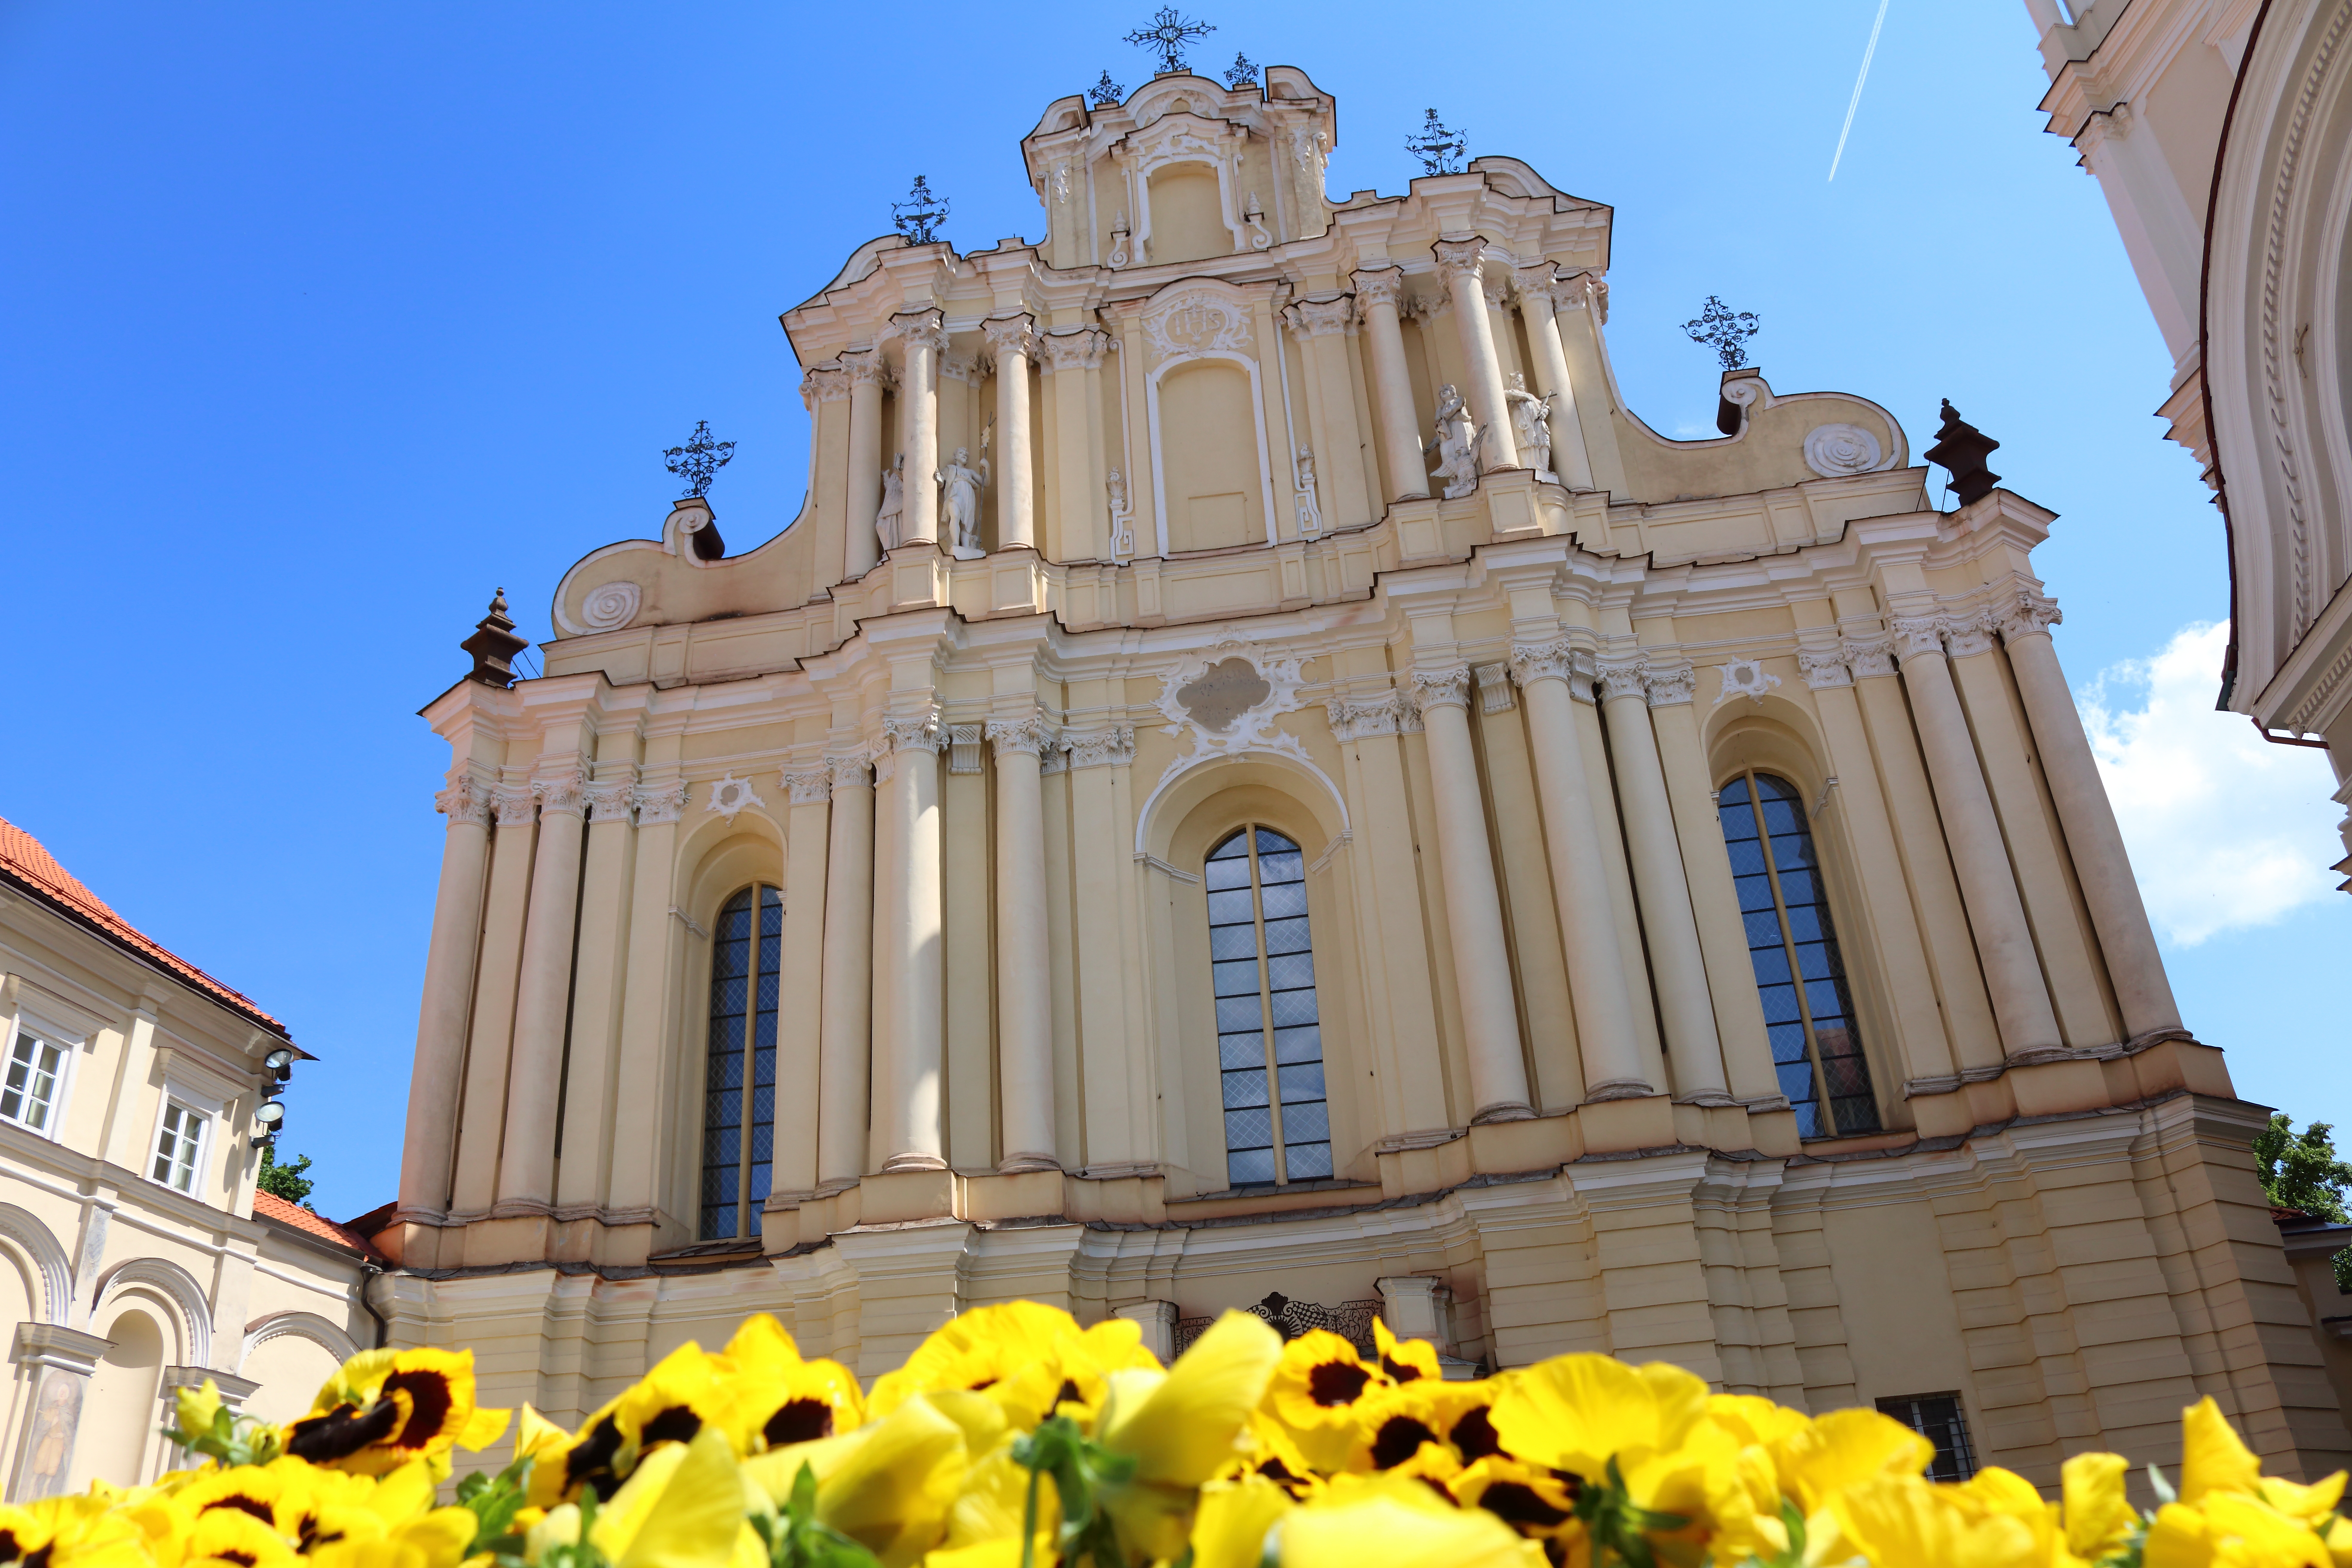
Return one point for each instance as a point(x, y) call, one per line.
point(1141, 840)
point(135, 1255)
point(2220, 132)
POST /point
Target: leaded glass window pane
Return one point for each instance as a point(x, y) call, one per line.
point(1269, 1040)
point(1809, 1011)
point(738, 1118)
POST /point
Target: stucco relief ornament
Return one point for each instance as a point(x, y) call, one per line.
point(611, 802)
point(464, 800)
point(2032, 615)
point(1196, 321)
point(1917, 634)
point(610, 607)
point(660, 804)
point(1969, 635)
point(1227, 699)
point(809, 786)
point(1833, 451)
point(514, 807)
point(1390, 713)
point(730, 795)
point(1624, 678)
point(1824, 670)
point(1871, 656)
point(1446, 689)
point(1670, 688)
point(1114, 747)
point(1745, 677)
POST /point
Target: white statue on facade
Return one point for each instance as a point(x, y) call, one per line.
point(960, 487)
point(1458, 448)
point(893, 515)
point(1122, 526)
point(1310, 509)
point(1531, 420)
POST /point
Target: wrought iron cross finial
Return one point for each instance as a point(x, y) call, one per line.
point(1241, 73)
point(1725, 330)
point(1167, 35)
point(697, 462)
point(1440, 150)
point(1106, 94)
point(919, 215)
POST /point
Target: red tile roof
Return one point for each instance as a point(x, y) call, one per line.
point(270, 1205)
point(25, 863)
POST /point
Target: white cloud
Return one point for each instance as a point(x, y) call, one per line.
point(2226, 830)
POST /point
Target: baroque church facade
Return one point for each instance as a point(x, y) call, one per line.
point(1254, 774)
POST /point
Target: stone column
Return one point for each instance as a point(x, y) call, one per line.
point(1662, 888)
point(491, 1036)
point(2012, 970)
point(1483, 367)
point(650, 1010)
point(1474, 912)
point(1547, 678)
point(595, 996)
point(2096, 844)
point(1024, 1006)
point(907, 1121)
point(431, 1141)
point(845, 1009)
point(542, 997)
point(1016, 500)
point(1377, 296)
point(1086, 536)
point(925, 339)
point(1539, 309)
point(799, 1074)
point(861, 547)
point(1324, 325)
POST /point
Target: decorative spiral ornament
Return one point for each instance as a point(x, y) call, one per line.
point(1835, 451)
point(610, 607)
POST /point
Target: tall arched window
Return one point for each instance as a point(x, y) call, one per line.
point(738, 1148)
point(1269, 1043)
point(1816, 1046)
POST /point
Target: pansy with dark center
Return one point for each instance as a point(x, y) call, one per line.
point(1336, 1383)
point(589, 1462)
point(1519, 1503)
point(1473, 1434)
point(430, 1402)
point(1398, 1370)
point(801, 1420)
point(243, 1504)
point(341, 1432)
point(675, 1425)
point(1399, 1439)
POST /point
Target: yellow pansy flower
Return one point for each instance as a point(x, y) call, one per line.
point(384, 1408)
point(2312, 1504)
point(232, 1538)
point(84, 1531)
point(1531, 1499)
point(2231, 1529)
point(1843, 1449)
point(1397, 1524)
point(1404, 1361)
point(1230, 1530)
point(779, 1396)
point(1029, 1358)
point(1905, 1520)
point(1180, 1427)
point(682, 1505)
point(995, 1499)
point(2213, 1458)
point(1314, 1393)
point(888, 1486)
point(2098, 1515)
point(1393, 1423)
point(1578, 1412)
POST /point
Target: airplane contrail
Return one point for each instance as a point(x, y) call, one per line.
point(1855, 101)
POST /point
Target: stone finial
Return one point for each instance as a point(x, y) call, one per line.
point(1961, 448)
point(494, 645)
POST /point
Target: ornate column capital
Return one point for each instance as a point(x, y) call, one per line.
point(657, 804)
point(1028, 737)
point(1321, 318)
point(514, 806)
point(465, 800)
point(565, 795)
point(1672, 688)
point(1558, 660)
point(924, 328)
point(866, 368)
point(1080, 350)
point(1580, 290)
point(852, 771)
point(807, 787)
point(1623, 677)
point(1536, 283)
point(1915, 635)
point(1869, 655)
point(824, 383)
point(1389, 713)
point(1444, 688)
point(1494, 687)
point(914, 732)
point(2032, 615)
point(1114, 747)
point(1823, 669)
point(1460, 256)
point(1970, 634)
point(611, 800)
point(1011, 335)
point(1383, 286)
point(959, 367)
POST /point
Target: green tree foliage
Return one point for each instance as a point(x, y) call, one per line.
point(288, 1182)
point(2300, 1170)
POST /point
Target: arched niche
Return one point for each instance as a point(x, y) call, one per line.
point(123, 1407)
point(174, 1292)
point(49, 1276)
point(1208, 449)
point(290, 1355)
point(1183, 822)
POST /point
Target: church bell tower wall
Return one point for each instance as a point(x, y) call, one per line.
point(1250, 772)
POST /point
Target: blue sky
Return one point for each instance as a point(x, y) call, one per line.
point(324, 321)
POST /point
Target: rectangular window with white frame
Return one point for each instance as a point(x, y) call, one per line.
point(31, 1087)
point(179, 1146)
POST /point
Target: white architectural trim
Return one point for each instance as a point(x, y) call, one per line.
point(177, 1286)
point(47, 1257)
point(1257, 421)
point(301, 1326)
point(1184, 765)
